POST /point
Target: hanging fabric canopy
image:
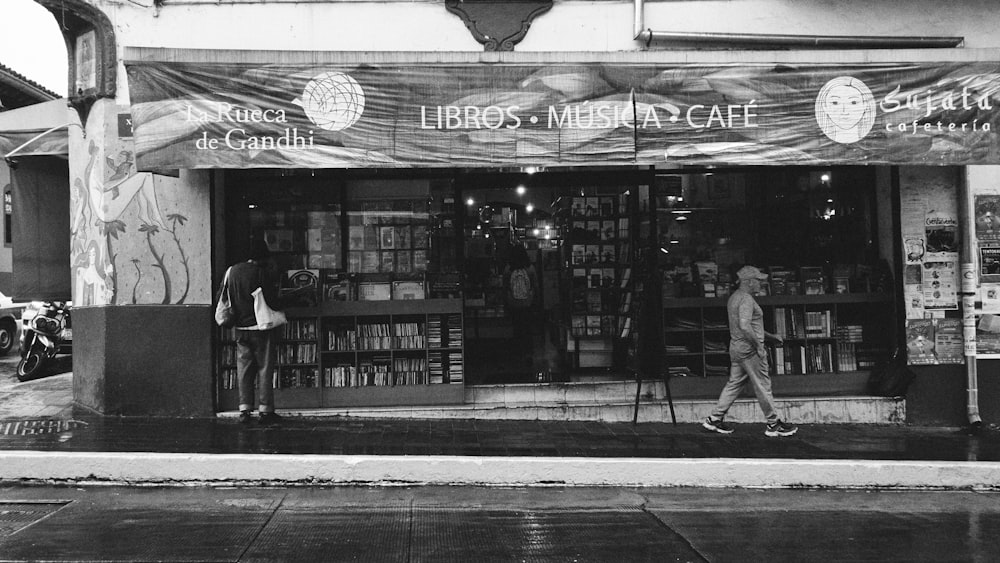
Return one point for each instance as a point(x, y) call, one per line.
point(36, 130)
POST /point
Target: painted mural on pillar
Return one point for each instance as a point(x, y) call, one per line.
point(128, 243)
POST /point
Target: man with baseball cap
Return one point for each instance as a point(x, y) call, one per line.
point(748, 357)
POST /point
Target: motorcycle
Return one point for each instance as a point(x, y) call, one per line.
point(46, 330)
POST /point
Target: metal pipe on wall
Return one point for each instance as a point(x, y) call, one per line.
point(842, 41)
point(968, 293)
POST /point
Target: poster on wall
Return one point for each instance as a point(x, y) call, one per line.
point(913, 295)
point(989, 263)
point(941, 233)
point(989, 295)
point(920, 341)
point(940, 285)
point(915, 248)
point(987, 217)
point(948, 345)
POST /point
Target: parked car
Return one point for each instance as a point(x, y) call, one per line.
point(10, 323)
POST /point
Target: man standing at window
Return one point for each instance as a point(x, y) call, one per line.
point(748, 357)
point(255, 348)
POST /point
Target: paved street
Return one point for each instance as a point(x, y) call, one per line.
point(464, 524)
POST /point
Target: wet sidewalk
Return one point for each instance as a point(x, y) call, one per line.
point(42, 437)
point(86, 432)
point(462, 524)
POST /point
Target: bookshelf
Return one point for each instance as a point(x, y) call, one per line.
point(598, 251)
point(362, 353)
point(839, 335)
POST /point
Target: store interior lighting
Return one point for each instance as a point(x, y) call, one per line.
point(521, 189)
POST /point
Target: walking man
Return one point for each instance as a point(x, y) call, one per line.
point(748, 357)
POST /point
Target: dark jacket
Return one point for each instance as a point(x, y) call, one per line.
point(244, 278)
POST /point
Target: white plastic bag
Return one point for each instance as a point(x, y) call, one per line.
point(267, 318)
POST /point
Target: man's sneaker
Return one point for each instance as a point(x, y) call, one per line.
point(244, 417)
point(780, 428)
point(269, 418)
point(720, 426)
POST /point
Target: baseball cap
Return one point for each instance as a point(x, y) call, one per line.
point(750, 272)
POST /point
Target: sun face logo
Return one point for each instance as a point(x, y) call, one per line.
point(845, 109)
point(332, 100)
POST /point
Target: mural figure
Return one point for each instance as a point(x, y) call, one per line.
point(91, 287)
point(101, 202)
point(845, 109)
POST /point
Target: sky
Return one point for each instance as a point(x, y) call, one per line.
point(30, 43)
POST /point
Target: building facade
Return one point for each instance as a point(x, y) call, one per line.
point(640, 151)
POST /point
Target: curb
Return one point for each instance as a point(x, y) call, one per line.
point(192, 469)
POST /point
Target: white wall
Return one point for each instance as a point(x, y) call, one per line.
point(314, 25)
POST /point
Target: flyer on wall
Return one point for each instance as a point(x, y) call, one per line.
point(920, 341)
point(989, 263)
point(940, 285)
point(989, 294)
point(987, 217)
point(941, 231)
point(948, 344)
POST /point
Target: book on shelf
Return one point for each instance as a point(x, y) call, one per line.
point(370, 237)
point(607, 205)
point(594, 302)
point(407, 290)
point(608, 231)
point(374, 291)
point(387, 262)
point(419, 260)
point(387, 238)
point(623, 229)
point(369, 261)
point(594, 279)
point(404, 261)
point(812, 280)
point(607, 277)
point(780, 278)
point(338, 287)
point(419, 236)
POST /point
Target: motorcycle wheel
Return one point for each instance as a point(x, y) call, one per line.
point(32, 365)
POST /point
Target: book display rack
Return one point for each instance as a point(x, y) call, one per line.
point(823, 334)
point(598, 251)
point(358, 353)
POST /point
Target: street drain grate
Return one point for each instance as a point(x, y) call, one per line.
point(16, 515)
point(38, 426)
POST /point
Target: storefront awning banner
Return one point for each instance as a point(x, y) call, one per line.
point(36, 130)
point(250, 115)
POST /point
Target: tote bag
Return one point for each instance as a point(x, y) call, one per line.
point(225, 315)
point(267, 318)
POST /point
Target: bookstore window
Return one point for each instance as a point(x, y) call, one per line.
point(370, 269)
point(812, 230)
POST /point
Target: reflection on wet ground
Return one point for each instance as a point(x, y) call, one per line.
point(302, 435)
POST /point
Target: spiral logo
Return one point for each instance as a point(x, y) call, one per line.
point(332, 100)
